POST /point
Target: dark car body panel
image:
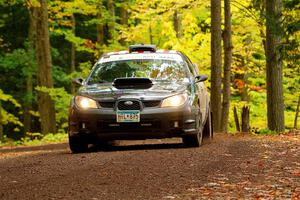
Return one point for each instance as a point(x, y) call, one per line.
point(154, 123)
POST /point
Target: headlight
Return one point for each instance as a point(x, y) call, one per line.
point(175, 101)
point(85, 103)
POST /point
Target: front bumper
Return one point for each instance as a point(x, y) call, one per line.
point(154, 123)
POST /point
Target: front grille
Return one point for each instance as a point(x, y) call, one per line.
point(104, 104)
point(151, 104)
point(135, 106)
point(122, 105)
point(152, 126)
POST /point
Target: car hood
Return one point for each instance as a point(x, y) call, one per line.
point(159, 90)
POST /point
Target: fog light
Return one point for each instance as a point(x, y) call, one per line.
point(149, 124)
point(113, 125)
point(176, 124)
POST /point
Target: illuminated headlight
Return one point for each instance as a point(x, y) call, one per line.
point(85, 103)
point(175, 101)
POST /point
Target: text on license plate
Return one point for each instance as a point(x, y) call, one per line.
point(128, 116)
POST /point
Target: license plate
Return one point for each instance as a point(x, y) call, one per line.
point(128, 116)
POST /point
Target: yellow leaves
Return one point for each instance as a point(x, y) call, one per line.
point(83, 7)
point(170, 35)
point(60, 12)
point(6, 97)
point(139, 33)
point(240, 104)
point(17, 129)
point(32, 4)
point(9, 118)
point(59, 8)
point(34, 113)
point(80, 43)
point(189, 25)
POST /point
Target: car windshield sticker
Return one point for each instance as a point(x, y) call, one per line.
point(174, 57)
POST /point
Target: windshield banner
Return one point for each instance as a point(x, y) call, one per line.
point(143, 56)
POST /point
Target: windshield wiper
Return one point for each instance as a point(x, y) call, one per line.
point(97, 82)
point(102, 81)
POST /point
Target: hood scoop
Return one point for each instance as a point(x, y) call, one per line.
point(132, 83)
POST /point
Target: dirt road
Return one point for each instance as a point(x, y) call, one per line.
point(230, 167)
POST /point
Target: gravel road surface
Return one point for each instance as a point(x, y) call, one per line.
point(229, 167)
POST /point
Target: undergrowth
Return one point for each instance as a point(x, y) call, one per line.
point(34, 139)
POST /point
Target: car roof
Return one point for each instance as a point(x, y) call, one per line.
point(142, 51)
point(142, 54)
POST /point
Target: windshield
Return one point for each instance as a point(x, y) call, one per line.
point(155, 69)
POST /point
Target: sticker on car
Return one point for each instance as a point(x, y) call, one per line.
point(142, 56)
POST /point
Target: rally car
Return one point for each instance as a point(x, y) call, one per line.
point(138, 94)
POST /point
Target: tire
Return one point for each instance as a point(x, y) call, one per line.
point(77, 145)
point(208, 129)
point(194, 140)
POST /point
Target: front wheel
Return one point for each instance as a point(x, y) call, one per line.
point(194, 140)
point(208, 129)
point(77, 145)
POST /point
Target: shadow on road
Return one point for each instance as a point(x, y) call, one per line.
point(171, 143)
point(109, 148)
point(115, 146)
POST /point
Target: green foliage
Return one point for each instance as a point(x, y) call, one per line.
point(21, 60)
point(266, 132)
point(17, 66)
point(85, 69)
point(76, 22)
point(62, 100)
point(34, 139)
point(6, 116)
point(6, 97)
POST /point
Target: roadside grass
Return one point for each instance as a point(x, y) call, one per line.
point(36, 139)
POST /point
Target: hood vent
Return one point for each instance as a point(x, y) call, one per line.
point(132, 83)
point(142, 48)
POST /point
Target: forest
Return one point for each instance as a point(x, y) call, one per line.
point(248, 48)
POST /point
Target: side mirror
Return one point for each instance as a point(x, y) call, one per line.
point(200, 78)
point(78, 81)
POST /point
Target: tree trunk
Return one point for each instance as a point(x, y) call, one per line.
point(124, 19)
point(245, 89)
point(1, 124)
point(216, 63)
point(177, 24)
point(275, 102)
point(227, 66)
point(100, 32)
point(124, 15)
point(44, 72)
point(236, 119)
point(150, 33)
point(245, 119)
point(111, 23)
point(31, 66)
point(28, 104)
point(296, 115)
point(73, 52)
point(100, 28)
